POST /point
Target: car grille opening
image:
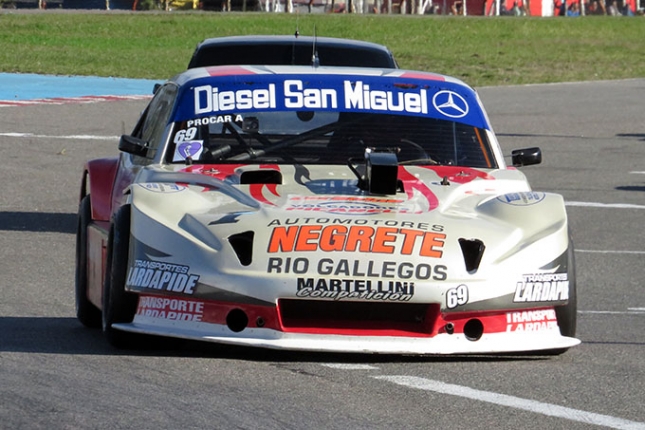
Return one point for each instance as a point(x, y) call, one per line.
point(358, 318)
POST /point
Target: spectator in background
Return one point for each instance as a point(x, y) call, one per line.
point(457, 8)
point(560, 8)
point(593, 8)
point(612, 9)
point(627, 10)
point(503, 10)
point(574, 9)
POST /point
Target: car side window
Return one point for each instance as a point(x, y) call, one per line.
point(153, 125)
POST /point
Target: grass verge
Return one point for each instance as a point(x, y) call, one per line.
point(480, 50)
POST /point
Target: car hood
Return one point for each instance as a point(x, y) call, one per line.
point(303, 210)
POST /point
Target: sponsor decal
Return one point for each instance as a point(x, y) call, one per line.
point(347, 207)
point(209, 99)
point(457, 296)
point(161, 276)
point(522, 199)
point(192, 149)
point(450, 104)
point(357, 96)
point(360, 96)
point(531, 320)
point(544, 287)
point(358, 268)
point(227, 99)
point(296, 96)
point(356, 238)
point(185, 146)
point(350, 205)
point(358, 221)
point(217, 119)
point(170, 309)
point(159, 187)
point(362, 289)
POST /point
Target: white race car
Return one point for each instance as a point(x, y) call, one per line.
point(323, 209)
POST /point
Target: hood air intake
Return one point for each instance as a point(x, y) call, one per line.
point(263, 176)
point(242, 244)
point(473, 250)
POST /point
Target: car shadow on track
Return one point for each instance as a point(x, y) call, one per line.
point(38, 222)
point(639, 136)
point(631, 188)
point(51, 335)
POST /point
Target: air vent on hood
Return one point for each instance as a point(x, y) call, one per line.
point(242, 244)
point(473, 250)
point(261, 177)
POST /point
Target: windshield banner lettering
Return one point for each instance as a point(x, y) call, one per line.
point(332, 93)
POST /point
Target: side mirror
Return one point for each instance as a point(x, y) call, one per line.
point(526, 156)
point(133, 145)
point(155, 88)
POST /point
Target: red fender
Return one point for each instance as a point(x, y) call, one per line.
point(100, 173)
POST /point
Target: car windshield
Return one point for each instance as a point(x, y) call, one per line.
point(326, 118)
point(308, 137)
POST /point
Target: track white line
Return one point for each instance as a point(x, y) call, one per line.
point(608, 251)
point(73, 136)
point(628, 312)
point(349, 366)
point(603, 205)
point(514, 402)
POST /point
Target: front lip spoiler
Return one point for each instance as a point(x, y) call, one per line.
point(442, 344)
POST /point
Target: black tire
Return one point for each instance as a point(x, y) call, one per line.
point(567, 315)
point(119, 306)
point(88, 314)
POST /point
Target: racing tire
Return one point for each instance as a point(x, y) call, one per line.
point(88, 314)
point(567, 315)
point(119, 306)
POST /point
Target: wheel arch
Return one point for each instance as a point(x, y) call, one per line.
point(98, 181)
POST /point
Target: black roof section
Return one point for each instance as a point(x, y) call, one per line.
point(290, 50)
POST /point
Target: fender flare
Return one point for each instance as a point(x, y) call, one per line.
point(99, 175)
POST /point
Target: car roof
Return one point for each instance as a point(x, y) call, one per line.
point(290, 50)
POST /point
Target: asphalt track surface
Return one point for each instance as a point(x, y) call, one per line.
point(55, 374)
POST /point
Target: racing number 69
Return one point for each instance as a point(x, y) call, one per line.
point(457, 296)
point(185, 135)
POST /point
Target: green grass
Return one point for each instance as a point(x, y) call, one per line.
point(479, 50)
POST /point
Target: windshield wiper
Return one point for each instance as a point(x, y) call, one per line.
point(252, 154)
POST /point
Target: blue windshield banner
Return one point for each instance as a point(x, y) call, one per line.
point(237, 95)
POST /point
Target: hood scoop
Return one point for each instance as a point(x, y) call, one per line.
point(263, 176)
point(242, 244)
point(473, 251)
point(378, 173)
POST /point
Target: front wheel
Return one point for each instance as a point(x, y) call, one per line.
point(88, 314)
point(567, 315)
point(119, 306)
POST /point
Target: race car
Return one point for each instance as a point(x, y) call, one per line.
point(333, 209)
